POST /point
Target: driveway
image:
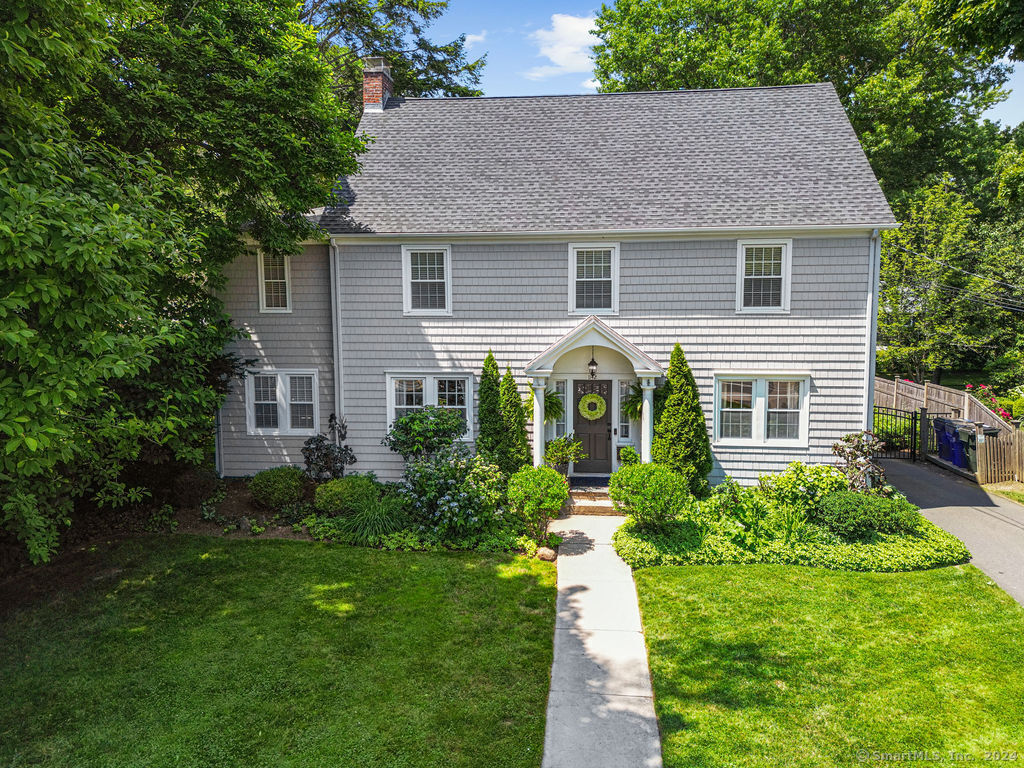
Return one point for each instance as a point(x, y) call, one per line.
point(992, 527)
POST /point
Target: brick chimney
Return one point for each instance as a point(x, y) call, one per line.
point(377, 85)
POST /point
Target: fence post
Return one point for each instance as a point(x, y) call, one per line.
point(982, 474)
point(922, 431)
point(926, 396)
point(967, 404)
point(895, 390)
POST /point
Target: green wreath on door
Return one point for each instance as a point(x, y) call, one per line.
point(592, 407)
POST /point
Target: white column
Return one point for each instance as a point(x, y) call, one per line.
point(539, 385)
point(647, 419)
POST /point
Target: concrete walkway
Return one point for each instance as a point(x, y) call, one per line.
point(601, 707)
point(992, 527)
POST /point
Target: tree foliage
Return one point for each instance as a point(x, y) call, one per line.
point(681, 435)
point(987, 24)
point(912, 99)
point(138, 145)
point(349, 30)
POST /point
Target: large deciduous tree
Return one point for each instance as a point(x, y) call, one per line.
point(910, 96)
point(139, 145)
point(349, 30)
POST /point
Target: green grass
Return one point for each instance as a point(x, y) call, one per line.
point(1017, 496)
point(779, 665)
point(190, 651)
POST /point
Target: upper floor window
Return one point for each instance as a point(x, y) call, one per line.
point(410, 392)
point(593, 278)
point(427, 280)
point(275, 282)
point(761, 410)
point(282, 403)
point(763, 275)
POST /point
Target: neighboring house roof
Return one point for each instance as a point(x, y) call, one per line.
point(665, 160)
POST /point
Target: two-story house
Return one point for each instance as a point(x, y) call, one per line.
point(579, 238)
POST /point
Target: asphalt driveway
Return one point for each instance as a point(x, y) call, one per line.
point(992, 527)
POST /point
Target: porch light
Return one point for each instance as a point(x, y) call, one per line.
point(592, 365)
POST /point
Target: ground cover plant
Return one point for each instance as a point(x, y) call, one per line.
point(195, 651)
point(771, 665)
point(803, 516)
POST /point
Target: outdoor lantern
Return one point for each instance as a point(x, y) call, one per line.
point(592, 365)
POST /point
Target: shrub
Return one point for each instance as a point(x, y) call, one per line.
point(346, 494)
point(537, 494)
point(859, 516)
point(681, 435)
point(274, 488)
point(324, 459)
point(425, 431)
point(452, 495)
point(489, 408)
point(513, 450)
point(194, 486)
point(653, 494)
point(801, 486)
point(628, 456)
point(856, 453)
point(563, 451)
point(375, 518)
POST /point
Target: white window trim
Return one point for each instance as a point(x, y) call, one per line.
point(573, 247)
point(787, 274)
point(263, 286)
point(283, 401)
point(759, 418)
point(407, 309)
point(430, 392)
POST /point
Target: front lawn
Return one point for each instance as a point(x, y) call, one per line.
point(192, 651)
point(780, 665)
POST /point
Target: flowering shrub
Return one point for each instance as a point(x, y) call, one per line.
point(802, 486)
point(984, 393)
point(454, 495)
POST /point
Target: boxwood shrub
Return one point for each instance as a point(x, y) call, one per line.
point(346, 495)
point(859, 516)
point(652, 493)
point(537, 494)
point(278, 487)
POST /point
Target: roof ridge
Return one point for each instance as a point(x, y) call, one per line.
point(614, 93)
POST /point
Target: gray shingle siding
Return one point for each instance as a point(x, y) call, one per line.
point(744, 157)
point(512, 298)
point(299, 339)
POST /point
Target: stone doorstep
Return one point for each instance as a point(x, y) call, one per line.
point(588, 507)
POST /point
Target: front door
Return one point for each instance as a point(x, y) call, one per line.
point(594, 429)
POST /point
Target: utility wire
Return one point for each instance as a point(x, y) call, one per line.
point(958, 269)
point(989, 300)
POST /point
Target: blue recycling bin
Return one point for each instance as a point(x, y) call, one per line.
point(941, 446)
point(957, 449)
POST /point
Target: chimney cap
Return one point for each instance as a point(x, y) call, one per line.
point(375, 64)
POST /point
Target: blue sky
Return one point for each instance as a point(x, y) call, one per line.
point(536, 47)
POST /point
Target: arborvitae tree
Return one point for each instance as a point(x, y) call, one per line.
point(489, 411)
point(681, 435)
point(514, 451)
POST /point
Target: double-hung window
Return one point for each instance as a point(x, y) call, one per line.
point(769, 409)
point(282, 402)
point(411, 392)
point(593, 278)
point(427, 280)
point(275, 282)
point(763, 275)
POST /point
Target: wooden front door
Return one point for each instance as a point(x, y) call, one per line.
point(594, 433)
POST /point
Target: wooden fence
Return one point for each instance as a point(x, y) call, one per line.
point(910, 396)
point(1000, 458)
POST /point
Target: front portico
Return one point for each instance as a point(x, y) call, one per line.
point(593, 360)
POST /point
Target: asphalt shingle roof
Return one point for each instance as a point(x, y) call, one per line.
point(744, 157)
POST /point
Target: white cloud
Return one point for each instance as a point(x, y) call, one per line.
point(472, 40)
point(566, 44)
point(590, 84)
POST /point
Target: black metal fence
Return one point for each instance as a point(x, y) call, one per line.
point(899, 430)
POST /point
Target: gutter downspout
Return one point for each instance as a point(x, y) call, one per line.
point(874, 279)
point(339, 397)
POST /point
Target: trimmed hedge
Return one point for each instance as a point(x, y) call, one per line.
point(278, 487)
point(346, 495)
point(681, 543)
